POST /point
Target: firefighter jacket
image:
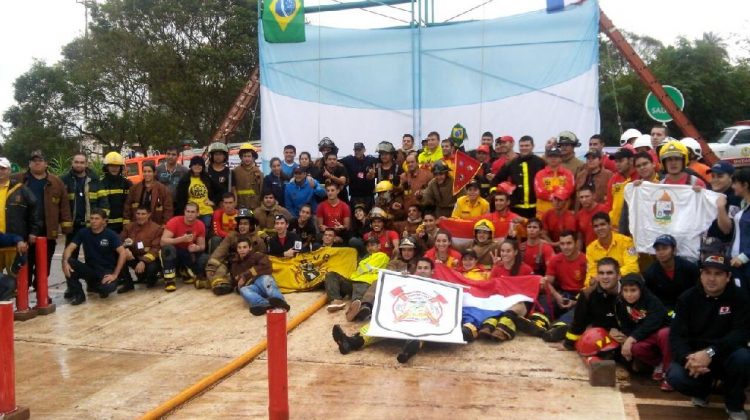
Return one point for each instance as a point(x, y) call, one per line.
point(702, 321)
point(547, 181)
point(20, 211)
point(440, 196)
point(643, 318)
point(226, 249)
point(367, 269)
point(521, 172)
point(594, 308)
point(267, 217)
point(56, 206)
point(91, 192)
point(248, 181)
point(621, 249)
point(251, 267)
point(146, 239)
point(162, 208)
point(114, 188)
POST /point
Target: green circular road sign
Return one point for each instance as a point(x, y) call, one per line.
point(656, 110)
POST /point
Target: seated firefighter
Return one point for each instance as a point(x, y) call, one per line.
point(251, 271)
point(183, 245)
point(142, 241)
point(105, 259)
point(217, 268)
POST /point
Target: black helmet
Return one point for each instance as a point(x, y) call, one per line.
point(326, 142)
point(440, 167)
point(248, 214)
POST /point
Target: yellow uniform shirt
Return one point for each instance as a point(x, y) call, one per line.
point(621, 249)
point(3, 199)
point(427, 158)
point(465, 209)
point(198, 194)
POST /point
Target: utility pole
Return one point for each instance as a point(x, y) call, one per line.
point(86, 4)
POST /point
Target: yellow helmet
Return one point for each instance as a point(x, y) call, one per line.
point(485, 225)
point(114, 158)
point(673, 148)
point(383, 186)
point(248, 147)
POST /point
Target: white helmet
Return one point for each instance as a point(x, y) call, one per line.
point(693, 145)
point(629, 134)
point(644, 140)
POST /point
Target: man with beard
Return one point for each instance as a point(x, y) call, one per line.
point(413, 181)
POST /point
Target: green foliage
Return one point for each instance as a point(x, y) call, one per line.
point(716, 91)
point(150, 73)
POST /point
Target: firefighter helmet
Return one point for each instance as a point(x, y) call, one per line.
point(246, 214)
point(629, 134)
point(693, 146)
point(595, 341)
point(114, 158)
point(386, 147)
point(384, 186)
point(440, 167)
point(673, 149)
point(644, 140)
point(249, 148)
point(486, 226)
point(377, 213)
point(218, 146)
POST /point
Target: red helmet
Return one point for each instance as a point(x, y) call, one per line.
point(595, 341)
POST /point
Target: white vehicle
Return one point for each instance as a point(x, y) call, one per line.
point(733, 144)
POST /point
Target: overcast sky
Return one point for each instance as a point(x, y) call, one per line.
point(37, 29)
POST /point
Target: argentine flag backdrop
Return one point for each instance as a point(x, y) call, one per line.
point(534, 73)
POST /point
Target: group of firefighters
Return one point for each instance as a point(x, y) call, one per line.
point(556, 216)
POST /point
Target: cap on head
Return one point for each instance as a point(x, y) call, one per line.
point(633, 279)
point(665, 239)
point(359, 146)
point(483, 149)
point(719, 261)
point(561, 194)
point(624, 152)
point(722, 167)
point(593, 153)
point(4, 162)
point(504, 139)
point(37, 154)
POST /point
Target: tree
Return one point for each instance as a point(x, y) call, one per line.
point(149, 73)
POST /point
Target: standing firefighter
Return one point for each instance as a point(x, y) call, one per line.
point(218, 165)
point(247, 178)
point(114, 188)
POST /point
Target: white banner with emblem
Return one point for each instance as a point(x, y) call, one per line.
point(411, 307)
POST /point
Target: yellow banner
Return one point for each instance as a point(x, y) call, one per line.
point(307, 271)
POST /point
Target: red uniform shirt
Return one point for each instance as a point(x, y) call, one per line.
point(583, 219)
point(569, 275)
point(685, 180)
point(530, 252)
point(500, 270)
point(178, 227)
point(332, 214)
point(555, 223)
point(386, 239)
point(223, 223)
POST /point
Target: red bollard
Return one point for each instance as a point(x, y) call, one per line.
point(43, 305)
point(278, 388)
point(23, 312)
point(8, 408)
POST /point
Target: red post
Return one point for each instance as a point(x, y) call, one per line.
point(23, 312)
point(7, 363)
point(8, 408)
point(278, 387)
point(43, 306)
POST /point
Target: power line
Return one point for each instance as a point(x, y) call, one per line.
point(380, 14)
point(469, 10)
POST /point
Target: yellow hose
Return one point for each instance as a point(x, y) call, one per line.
point(229, 368)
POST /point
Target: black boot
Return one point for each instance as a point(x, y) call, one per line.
point(411, 348)
point(346, 344)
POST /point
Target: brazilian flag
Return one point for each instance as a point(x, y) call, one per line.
point(284, 21)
